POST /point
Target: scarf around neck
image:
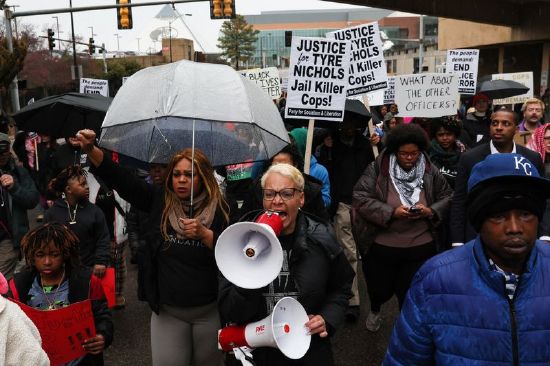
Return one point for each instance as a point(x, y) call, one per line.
point(444, 158)
point(181, 211)
point(408, 184)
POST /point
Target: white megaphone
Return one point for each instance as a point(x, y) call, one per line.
point(249, 254)
point(284, 329)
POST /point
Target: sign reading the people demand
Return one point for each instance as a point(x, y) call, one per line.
point(525, 78)
point(63, 330)
point(427, 95)
point(367, 67)
point(94, 86)
point(267, 79)
point(464, 63)
point(318, 79)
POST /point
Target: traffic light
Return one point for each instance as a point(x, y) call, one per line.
point(222, 9)
point(51, 40)
point(124, 15)
point(288, 38)
point(91, 46)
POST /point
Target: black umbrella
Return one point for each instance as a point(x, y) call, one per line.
point(64, 115)
point(498, 89)
point(354, 111)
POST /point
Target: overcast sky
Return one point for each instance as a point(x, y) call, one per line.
point(104, 22)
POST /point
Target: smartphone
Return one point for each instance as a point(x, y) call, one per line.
point(414, 209)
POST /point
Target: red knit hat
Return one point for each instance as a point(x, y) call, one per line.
point(478, 97)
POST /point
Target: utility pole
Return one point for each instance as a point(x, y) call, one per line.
point(104, 57)
point(14, 91)
point(15, 20)
point(421, 45)
point(76, 74)
point(58, 34)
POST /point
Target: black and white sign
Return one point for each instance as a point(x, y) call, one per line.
point(267, 79)
point(464, 63)
point(383, 96)
point(94, 86)
point(318, 79)
point(427, 95)
point(367, 65)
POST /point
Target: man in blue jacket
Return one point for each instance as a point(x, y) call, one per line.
point(485, 303)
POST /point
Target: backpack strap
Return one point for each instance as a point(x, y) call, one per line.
point(13, 289)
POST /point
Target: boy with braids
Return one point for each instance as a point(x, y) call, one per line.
point(55, 279)
point(83, 218)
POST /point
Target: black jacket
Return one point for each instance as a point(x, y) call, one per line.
point(90, 228)
point(474, 126)
point(150, 199)
point(461, 230)
point(79, 290)
point(323, 278)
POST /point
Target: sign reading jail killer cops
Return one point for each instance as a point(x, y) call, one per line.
point(525, 78)
point(318, 79)
point(427, 95)
point(464, 63)
point(94, 86)
point(367, 70)
point(267, 79)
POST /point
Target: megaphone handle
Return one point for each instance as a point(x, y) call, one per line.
point(245, 358)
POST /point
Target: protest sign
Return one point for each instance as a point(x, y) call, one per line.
point(464, 63)
point(367, 67)
point(104, 287)
point(63, 330)
point(427, 95)
point(94, 86)
point(267, 79)
point(318, 78)
point(525, 78)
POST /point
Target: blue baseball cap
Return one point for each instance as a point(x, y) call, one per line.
point(505, 168)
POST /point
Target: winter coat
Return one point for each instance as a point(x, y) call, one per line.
point(20, 343)
point(323, 279)
point(370, 195)
point(90, 228)
point(457, 312)
point(22, 197)
point(80, 282)
point(475, 130)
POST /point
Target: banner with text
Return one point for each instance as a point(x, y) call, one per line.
point(367, 67)
point(267, 79)
point(94, 86)
point(427, 95)
point(318, 78)
point(63, 330)
point(525, 78)
point(464, 63)
point(383, 96)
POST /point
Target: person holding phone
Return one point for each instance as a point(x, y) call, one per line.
point(401, 198)
point(178, 272)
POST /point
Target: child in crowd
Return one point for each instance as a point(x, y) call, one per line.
point(55, 279)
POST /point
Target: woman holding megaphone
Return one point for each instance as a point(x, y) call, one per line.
point(177, 270)
point(315, 271)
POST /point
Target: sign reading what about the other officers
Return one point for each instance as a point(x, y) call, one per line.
point(427, 95)
point(367, 66)
point(464, 63)
point(318, 79)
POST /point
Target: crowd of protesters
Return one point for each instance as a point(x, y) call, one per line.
point(389, 199)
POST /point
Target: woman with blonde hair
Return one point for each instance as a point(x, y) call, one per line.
point(177, 270)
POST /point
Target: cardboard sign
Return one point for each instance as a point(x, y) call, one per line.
point(464, 63)
point(267, 79)
point(318, 79)
point(525, 78)
point(367, 66)
point(94, 86)
point(63, 330)
point(427, 95)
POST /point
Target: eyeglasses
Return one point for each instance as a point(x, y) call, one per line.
point(285, 194)
point(412, 154)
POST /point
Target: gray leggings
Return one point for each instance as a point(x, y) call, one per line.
point(186, 336)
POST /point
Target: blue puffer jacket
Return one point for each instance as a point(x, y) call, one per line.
point(457, 313)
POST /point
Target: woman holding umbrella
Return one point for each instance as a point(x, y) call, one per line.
point(178, 273)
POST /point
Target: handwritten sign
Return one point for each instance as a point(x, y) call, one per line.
point(525, 78)
point(63, 330)
point(318, 79)
point(427, 95)
point(464, 63)
point(94, 86)
point(267, 79)
point(367, 66)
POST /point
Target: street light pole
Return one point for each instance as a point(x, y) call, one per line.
point(58, 41)
point(76, 76)
point(421, 45)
